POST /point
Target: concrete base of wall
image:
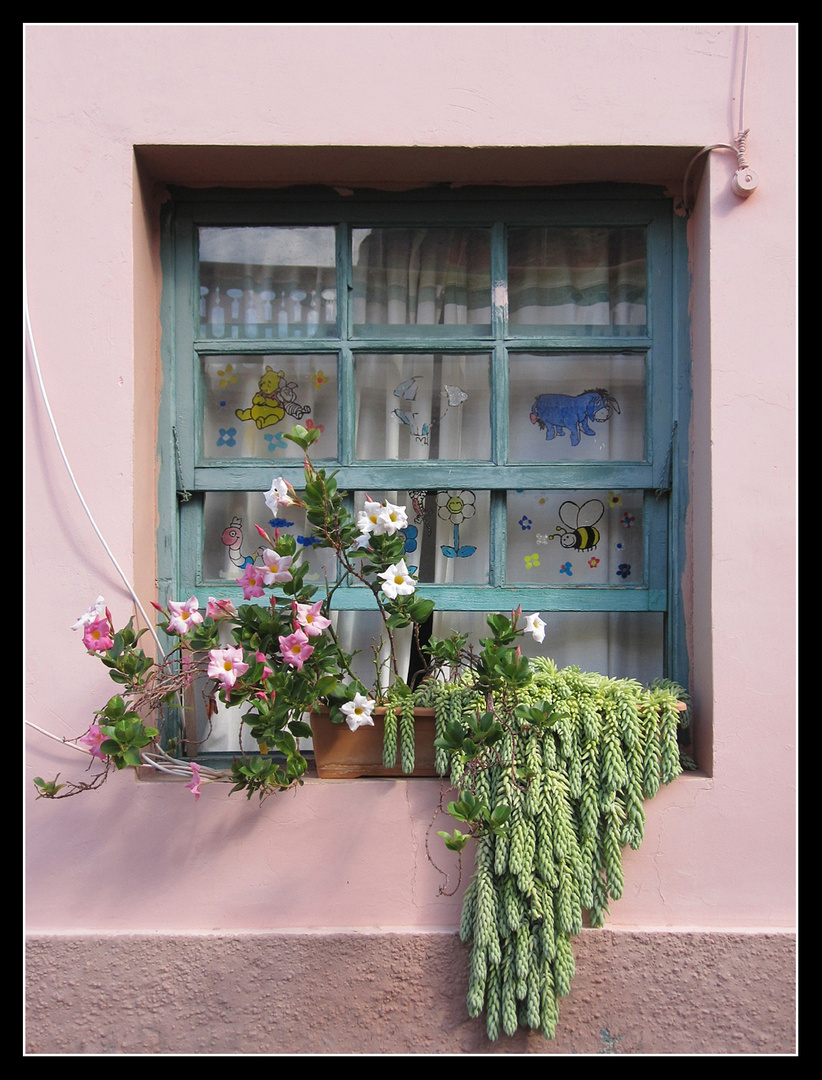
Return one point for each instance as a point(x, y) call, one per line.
point(364, 993)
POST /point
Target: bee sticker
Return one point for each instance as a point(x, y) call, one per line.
point(578, 531)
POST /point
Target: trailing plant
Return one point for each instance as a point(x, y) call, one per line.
point(552, 803)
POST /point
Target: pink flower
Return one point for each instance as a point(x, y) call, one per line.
point(295, 649)
point(184, 617)
point(194, 785)
point(310, 619)
point(226, 665)
point(97, 636)
point(220, 609)
point(266, 669)
point(277, 567)
point(94, 740)
point(252, 581)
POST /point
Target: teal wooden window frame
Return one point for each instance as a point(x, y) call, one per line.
point(661, 475)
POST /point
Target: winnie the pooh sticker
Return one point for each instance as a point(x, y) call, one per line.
point(275, 397)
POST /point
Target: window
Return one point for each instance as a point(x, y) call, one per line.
point(505, 363)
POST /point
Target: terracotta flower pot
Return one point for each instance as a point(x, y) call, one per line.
point(340, 753)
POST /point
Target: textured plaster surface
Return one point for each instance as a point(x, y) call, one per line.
point(143, 859)
point(633, 993)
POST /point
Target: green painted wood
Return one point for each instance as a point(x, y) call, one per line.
point(664, 343)
point(478, 598)
point(257, 476)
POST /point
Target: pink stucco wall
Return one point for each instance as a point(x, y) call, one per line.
point(485, 103)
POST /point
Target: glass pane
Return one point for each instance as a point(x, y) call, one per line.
point(577, 408)
point(230, 540)
point(249, 402)
point(575, 538)
point(268, 282)
point(572, 280)
point(447, 536)
point(621, 645)
point(421, 277)
point(421, 408)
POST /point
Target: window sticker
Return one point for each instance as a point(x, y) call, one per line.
point(451, 397)
point(553, 413)
point(232, 538)
point(456, 507)
point(578, 530)
point(275, 397)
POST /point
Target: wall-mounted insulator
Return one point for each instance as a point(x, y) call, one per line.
point(745, 180)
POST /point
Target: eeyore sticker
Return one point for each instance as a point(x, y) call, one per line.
point(556, 412)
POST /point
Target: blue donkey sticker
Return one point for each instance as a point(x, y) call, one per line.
point(553, 413)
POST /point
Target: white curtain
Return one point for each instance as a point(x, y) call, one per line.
point(436, 406)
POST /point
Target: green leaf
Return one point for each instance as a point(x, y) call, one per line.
point(456, 842)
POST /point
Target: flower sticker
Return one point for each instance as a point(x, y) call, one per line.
point(614, 499)
point(311, 426)
point(593, 562)
point(227, 375)
point(624, 570)
point(525, 523)
point(227, 437)
point(275, 441)
point(319, 379)
point(456, 506)
point(410, 532)
point(566, 569)
point(628, 520)
point(531, 561)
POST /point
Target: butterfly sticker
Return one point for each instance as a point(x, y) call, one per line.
point(407, 391)
point(456, 395)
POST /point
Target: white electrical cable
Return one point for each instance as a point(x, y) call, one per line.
point(33, 353)
point(740, 148)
